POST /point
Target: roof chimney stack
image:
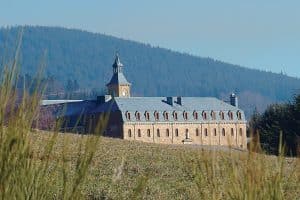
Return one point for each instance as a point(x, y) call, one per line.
point(170, 101)
point(233, 100)
point(179, 100)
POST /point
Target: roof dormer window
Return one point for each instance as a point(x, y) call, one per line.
point(137, 116)
point(195, 114)
point(166, 115)
point(128, 117)
point(204, 115)
point(156, 115)
point(213, 115)
point(222, 116)
point(185, 115)
point(147, 116)
point(239, 115)
point(175, 115)
point(230, 115)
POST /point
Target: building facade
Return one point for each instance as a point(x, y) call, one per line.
point(165, 120)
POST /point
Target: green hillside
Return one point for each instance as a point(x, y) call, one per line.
point(153, 71)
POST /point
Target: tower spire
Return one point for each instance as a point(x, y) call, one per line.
point(117, 66)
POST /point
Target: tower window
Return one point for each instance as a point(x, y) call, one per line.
point(139, 133)
point(232, 132)
point(129, 133)
point(223, 132)
point(187, 135)
point(147, 116)
point(176, 132)
point(241, 132)
point(167, 133)
point(158, 133)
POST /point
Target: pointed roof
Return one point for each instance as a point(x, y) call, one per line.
point(117, 62)
point(118, 79)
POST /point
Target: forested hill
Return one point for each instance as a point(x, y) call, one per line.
point(87, 58)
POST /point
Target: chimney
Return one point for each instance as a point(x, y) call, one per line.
point(170, 101)
point(179, 100)
point(103, 99)
point(234, 100)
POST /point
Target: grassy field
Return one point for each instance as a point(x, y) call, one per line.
point(127, 170)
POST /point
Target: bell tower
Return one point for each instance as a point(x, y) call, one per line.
point(118, 86)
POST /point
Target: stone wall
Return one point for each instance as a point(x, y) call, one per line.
point(198, 133)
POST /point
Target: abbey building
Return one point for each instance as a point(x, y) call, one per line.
point(167, 120)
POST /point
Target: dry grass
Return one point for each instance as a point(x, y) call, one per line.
point(124, 170)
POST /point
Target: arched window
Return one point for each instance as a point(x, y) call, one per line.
point(204, 115)
point(230, 115)
point(195, 114)
point(215, 132)
point(166, 116)
point(139, 133)
point(176, 132)
point(185, 115)
point(232, 132)
point(239, 115)
point(205, 132)
point(128, 115)
point(175, 116)
point(158, 133)
point(187, 135)
point(167, 132)
point(223, 132)
point(241, 132)
point(197, 132)
point(129, 133)
point(213, 115)
point(147, 116)
point(137, 116)
point(156, 115)
point(148, 133)
point(222, 115)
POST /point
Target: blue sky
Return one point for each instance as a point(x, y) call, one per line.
point(263, 34)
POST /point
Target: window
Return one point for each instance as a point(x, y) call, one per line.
point(204, 115)
point(185, 115)
point(187, 135)
point(197, 132)
point(232, 132)
point(128, 115)
point(205, 132)
point(139, 133)
point(239, 115)
point(147, 116)
point(148, 133)
point(167, 133)
point(195, 114)
point(156, 115)
point(215, 132)
point(223, 132)
point(129, 133)
point(166, 116)
point(176, 132)
point(137, 116)
point(213, 115)
point(175, 116)
point(222, 115)
point(230, 115)
point(241, 132)
point(158, 133)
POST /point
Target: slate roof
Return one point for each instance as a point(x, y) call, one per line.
point(118, 78)
point(159, 104)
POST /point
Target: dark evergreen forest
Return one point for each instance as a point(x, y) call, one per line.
point(82, 61)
